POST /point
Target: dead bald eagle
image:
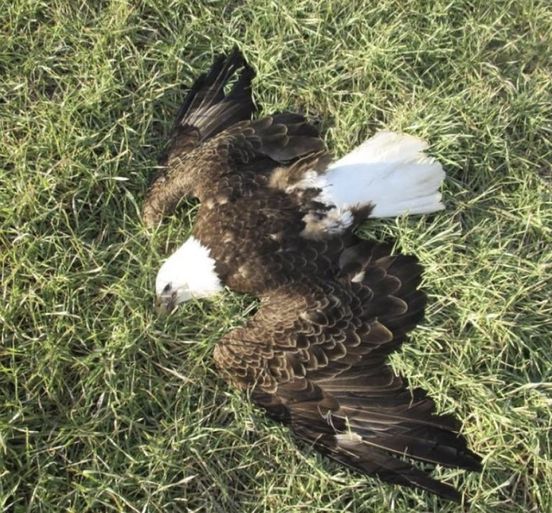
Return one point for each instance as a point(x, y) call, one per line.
point(276, 220)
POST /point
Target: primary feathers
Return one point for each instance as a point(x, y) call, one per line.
point(276, 220)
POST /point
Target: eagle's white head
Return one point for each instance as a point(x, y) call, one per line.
point(189, 273)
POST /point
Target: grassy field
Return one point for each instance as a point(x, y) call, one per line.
point(107, 408)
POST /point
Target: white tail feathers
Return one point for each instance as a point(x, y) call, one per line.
point(389, 171)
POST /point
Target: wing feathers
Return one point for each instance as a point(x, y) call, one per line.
point(206, 111)
point(207, 107)
point(285, 137)
point(368, 459)
point(336, 387)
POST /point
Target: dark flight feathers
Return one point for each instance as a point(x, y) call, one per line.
point(318, 356)
point(208, 108)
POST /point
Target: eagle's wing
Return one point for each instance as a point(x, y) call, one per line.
point(315, 356)
point(217, 100)
point(208, 108)
point(237, 161)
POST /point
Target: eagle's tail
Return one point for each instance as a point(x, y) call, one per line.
point(209, 108)
point(389, 173)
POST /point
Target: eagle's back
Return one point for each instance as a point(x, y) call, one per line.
point(258, 241)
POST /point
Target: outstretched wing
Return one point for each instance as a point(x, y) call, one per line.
point(315, 356)
point(234, 163)
point(215, 148)
point(217, 100)
point(208, 108)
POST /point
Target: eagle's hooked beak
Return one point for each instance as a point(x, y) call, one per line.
point(165, 303)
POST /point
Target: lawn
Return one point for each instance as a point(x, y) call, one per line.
point(104, 406)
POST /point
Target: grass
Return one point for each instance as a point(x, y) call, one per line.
point(107, 408)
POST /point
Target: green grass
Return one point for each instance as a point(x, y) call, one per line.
point(106, 407)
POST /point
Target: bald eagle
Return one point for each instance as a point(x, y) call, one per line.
point(276, 219)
